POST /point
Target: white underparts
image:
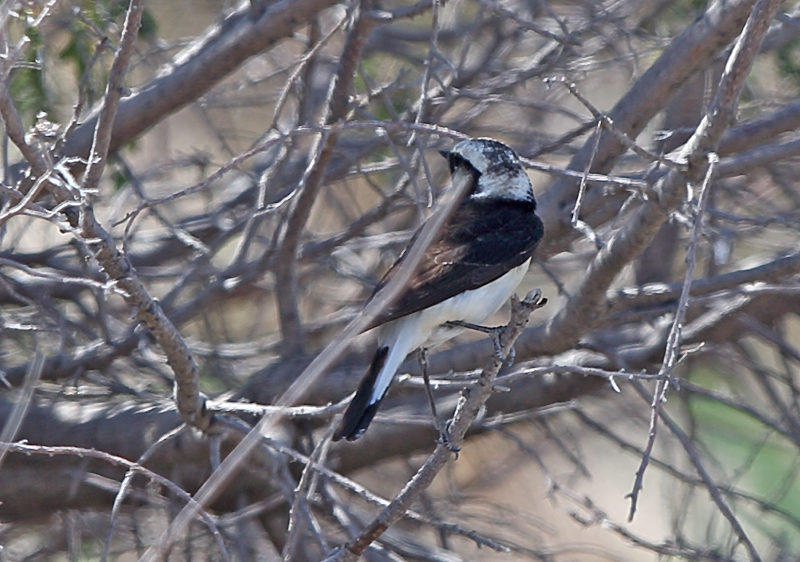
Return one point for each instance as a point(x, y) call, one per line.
point(406, 334)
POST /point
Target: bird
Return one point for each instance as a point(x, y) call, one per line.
point(466, 274)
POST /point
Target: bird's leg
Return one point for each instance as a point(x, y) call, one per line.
point(423, 365)
point(494, 333)
point(441, 428)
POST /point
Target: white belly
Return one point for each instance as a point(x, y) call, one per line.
point(406, 334)
point(470, 306)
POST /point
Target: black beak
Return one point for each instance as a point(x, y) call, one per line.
point(445, 153)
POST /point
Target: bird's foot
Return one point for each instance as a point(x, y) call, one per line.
point(444, 439)
point(493, 332)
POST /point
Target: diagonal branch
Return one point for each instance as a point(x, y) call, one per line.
point(469, 405)
point(114, 89)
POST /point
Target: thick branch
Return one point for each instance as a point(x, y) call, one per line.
point(221, 50)
point(688, 54)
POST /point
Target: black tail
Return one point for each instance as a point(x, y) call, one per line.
point(360, 412)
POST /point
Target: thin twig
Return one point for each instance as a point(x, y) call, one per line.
point(114, 90)
point(124, 487)
point(674, 337)
point(302, 493)
point(577, 223)
point(708, 480)
point(133, 467)
point(609, 125)
point(83, 85)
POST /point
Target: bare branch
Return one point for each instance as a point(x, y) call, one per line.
point(114, 91)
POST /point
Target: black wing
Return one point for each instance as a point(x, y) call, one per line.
point(480, 243)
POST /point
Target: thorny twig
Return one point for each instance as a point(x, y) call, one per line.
point(674, 337)
point(698, 153)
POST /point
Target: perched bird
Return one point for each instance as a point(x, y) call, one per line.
point(473, 266)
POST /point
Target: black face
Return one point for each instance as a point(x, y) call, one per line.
point(455, 160)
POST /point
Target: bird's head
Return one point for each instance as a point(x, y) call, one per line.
point(496, 168)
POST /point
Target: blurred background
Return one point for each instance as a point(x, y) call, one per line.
point(270, 161)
